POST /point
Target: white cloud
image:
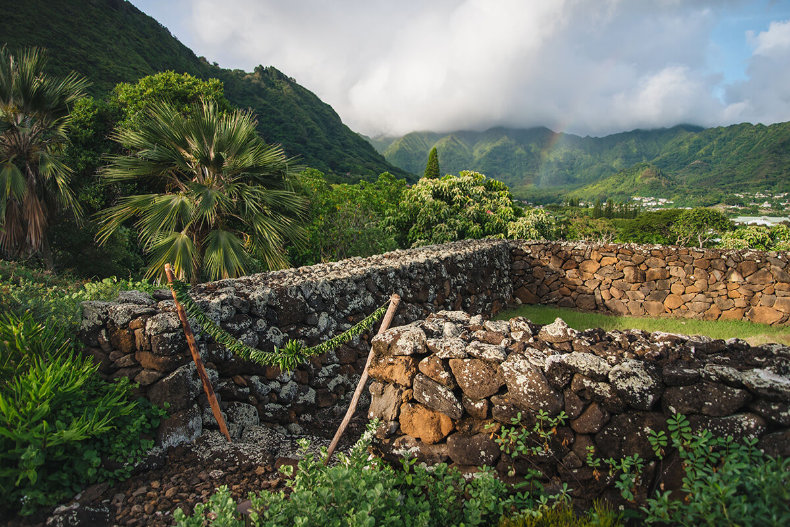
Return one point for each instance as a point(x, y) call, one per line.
point(586, 66)
point(765, 95)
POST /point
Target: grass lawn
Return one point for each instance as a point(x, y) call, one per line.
point(754, 334)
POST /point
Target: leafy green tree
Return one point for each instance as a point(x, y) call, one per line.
point(599, 230)
point(432, 168)
point(34, 181)
point(468, 205)
point(535, 224)
point(93, 122)
point(181, 90)
point(700, 225)
point(223, 197)
point(597, 211)
point(649, 227)
point(774, 238)
point(347, 220)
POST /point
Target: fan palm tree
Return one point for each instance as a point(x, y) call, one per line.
point(34, 118)
point(223, 196)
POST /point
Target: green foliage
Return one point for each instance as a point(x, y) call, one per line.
point(760, 237)
point(346, 220)
point(61, 426)
point(468, 205)
point(55, 300)
point(535, 224)
point(34, 119)
point(725, 482)
point(221, 197)
point(362, 490)
point(560, 513)
point(650, 227)
point(584, 227)
point(432, 167)
point(626, 473)
point(522, 439)
point(181, 90)
point(699, 225)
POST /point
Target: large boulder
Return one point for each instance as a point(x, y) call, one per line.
point(637, 383)
point(706, 398)
point(423, 423)
point(528, 387)
point(477, 450)
point(477, 378)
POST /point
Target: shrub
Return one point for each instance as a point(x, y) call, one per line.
point(466, 206)
point(725, 482)
point(536, 224)
point(361, 490)
point(61, 426)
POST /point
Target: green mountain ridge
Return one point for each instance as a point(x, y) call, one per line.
point(684, 160)
point(111, 41)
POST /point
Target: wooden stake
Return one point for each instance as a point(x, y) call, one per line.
point(212, 399)
point(385, 324)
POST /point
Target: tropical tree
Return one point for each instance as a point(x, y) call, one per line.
point(700, 225)
point(347, 220)
point(535, 224)
point(34, 181)
point(223, 200)
point(432, 168)
point(468, 205)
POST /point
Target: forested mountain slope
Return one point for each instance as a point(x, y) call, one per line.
point(111, 41)
point(681, 159)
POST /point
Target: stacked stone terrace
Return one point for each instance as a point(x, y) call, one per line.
point(139, 336)
point(445, 385)
point(640, 280)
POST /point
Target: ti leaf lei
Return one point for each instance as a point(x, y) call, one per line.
point(288, 357)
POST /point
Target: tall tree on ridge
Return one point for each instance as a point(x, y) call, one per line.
point(432, 168)
point(34, 181)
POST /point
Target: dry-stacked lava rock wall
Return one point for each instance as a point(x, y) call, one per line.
point(439, 382)
point(655, 280)
point(140, 337)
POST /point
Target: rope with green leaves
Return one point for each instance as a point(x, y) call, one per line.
point(288, 357)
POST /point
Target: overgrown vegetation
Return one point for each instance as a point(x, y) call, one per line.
point(61, 426)
point(724, 483)
point(364, 490)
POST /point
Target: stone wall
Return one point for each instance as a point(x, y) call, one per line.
point(442, 383)
point(711, 284)
point(139, 336)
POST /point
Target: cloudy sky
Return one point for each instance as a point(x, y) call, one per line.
point(581, 66)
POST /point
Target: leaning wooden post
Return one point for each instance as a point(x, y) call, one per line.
point(212, 399)
point(385, 324)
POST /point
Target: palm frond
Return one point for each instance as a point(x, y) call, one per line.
point(224, 255)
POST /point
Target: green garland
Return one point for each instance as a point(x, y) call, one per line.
point(288, 357)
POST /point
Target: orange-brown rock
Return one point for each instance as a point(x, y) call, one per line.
point(399, 369)
point(764, 315)
point(673, 301)
point(423, 423)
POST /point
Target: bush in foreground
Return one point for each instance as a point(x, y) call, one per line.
point(61, 427)
point(362, 490)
